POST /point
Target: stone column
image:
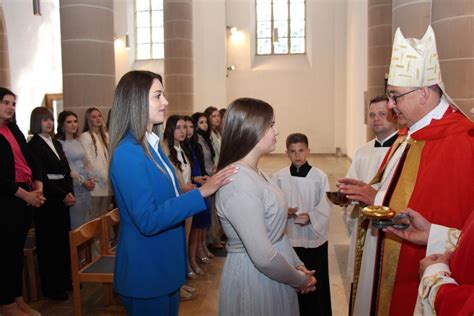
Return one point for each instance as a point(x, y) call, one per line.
point(87, 42)
point(4, 60)
point(379, 48)
point(178, 38)
point(453, 23)
point(379, 45)
point(412, 16)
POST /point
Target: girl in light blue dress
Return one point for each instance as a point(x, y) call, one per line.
point(81, 171)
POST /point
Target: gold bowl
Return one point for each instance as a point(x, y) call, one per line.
point(338, 198)
point(378, 212)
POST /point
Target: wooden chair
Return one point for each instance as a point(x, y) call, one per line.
point(99, 269)
point(110, 228)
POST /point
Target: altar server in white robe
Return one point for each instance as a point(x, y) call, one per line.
point(305, 189)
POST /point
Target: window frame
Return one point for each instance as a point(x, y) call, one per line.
point(272, 21)
point(150, 31)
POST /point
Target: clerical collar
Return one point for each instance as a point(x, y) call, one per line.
point(302, 172)
point(435, 114)
point(388, 141)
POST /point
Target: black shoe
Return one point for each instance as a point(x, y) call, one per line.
point(57, 296)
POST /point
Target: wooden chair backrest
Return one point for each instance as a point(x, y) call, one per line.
point(110, 228)
point(86, 232)
point(79, 238)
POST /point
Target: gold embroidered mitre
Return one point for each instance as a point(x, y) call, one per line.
point(415, 63)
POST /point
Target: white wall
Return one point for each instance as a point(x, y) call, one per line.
point(209, 50)
point(340, 75)
point(304, 89)
point(356, 131)
point(34, 45)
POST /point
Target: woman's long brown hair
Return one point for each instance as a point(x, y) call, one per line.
point(246, 122)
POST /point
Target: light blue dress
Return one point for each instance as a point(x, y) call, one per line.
point(259, 276)
point(76, 157)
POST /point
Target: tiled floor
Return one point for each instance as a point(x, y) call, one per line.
point(207, 286)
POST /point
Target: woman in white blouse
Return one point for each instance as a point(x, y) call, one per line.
point(94, 139)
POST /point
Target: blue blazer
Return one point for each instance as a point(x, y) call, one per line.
point(151, 257)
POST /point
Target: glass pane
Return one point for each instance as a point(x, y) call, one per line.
point(297, 29)
point(259, 2)
point(157, 5)
point(297, 45)
point(282, 46)
point(143, 19)
point(297, 11)
point(158, 51)
point(142, 5)
point(156, 18)
point(157, 34)
point(282, 27)
point(264, 46)
point(263, 29)
point(143, 35)
point(280, 11)
point(296, 1)
point(143, 51)
point(264, 12)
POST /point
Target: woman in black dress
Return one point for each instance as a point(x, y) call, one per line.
point(21, 187)
point(52, 223)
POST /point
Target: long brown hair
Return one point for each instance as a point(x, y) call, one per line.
point(130, 110)
point(61, 120)
point(208, 112)
point(246, 122)
point(168, 139)
point(88, 128)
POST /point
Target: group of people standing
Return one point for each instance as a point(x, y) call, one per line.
point(192, 144)
point(276, 227)
point(56, 182)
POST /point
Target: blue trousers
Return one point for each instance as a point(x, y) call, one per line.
point(165, 305)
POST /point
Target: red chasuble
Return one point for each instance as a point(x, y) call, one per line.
point(459, 299)
point(435, 180)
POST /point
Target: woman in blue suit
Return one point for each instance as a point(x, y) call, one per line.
point(151, 261)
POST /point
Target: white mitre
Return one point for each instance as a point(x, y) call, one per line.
point(415, 63)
